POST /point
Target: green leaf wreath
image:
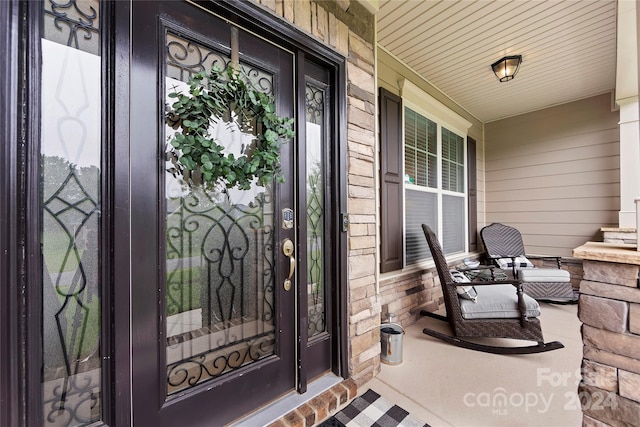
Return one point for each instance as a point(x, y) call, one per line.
point(225, 95)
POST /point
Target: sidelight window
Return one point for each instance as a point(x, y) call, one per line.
point(316, 180)
point(70, 212)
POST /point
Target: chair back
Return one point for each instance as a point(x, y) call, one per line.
point(502, 241)
point(450, 295)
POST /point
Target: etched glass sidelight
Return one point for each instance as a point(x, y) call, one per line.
point(70, 212)
point(219, 249)
point(315, 179)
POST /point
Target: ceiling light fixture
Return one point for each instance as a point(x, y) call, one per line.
point(507, 67)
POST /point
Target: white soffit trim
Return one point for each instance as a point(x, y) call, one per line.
point(417, 96)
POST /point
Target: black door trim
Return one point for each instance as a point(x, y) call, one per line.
point(301, 156)
point(121, 279)
point(31, 281)
point(12, 397)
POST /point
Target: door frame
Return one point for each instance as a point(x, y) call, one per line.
point(12, 394)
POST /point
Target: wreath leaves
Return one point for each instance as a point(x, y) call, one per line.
point(198, 156)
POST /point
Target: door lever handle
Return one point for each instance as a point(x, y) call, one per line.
point(287, 249)
point(292, 266)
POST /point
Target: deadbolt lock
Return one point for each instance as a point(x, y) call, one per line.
point(287, 247)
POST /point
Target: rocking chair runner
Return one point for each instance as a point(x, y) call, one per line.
point(506, 311)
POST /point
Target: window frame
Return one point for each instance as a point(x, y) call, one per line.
point(415, 99)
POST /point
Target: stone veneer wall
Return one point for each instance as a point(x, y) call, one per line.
point(348, 27)
point(404, 295)
point(609, 309)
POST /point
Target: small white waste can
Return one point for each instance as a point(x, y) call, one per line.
point(391, 335)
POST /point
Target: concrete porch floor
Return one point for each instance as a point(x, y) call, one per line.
point(444, 385)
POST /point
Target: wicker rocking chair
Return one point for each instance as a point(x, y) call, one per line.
point(499, 310)
point(504, 247)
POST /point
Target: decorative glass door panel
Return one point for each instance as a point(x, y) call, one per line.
point(209, 297)
point(316, 183)
point(318, 217)
point(70, 209)
point(219, 250)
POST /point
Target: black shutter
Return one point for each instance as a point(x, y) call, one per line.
point(391, 181)
point(472, 189)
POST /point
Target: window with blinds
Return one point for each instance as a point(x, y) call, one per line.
point(420, 150)
point(431, 196)
point(452, 161)
point(453, 230)
point(421, 207)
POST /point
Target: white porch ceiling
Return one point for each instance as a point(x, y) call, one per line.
point(568, 49)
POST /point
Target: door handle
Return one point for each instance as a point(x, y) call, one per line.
point(287, 249)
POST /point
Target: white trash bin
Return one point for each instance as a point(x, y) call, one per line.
point(391, 335)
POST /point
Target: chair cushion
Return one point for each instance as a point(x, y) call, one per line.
point(558, 291)
point(521, 262)
point(497, 302)
point(545, 275)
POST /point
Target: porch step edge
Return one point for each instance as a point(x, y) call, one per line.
point(320, 407)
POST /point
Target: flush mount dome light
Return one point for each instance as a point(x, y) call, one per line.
point(507, 67)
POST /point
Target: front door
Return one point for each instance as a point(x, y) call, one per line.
point(230, 287)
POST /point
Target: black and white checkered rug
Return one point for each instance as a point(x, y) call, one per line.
point(371, 410)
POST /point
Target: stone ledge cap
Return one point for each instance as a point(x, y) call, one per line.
point(618, 230)
point(608, 252)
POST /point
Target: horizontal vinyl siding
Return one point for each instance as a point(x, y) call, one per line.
point(554, 174)
point(585, 190)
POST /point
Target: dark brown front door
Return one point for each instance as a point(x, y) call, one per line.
point(214, 327)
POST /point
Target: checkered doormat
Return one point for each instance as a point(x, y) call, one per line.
point(371, 410)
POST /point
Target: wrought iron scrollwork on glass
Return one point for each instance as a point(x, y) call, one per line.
point(186, 58)
point(216, 243)
point(73, 23)
point(315, 116)
point(220, 262)
point(314, 103)
point(220, 269)
point(70, 207)
point(192, 371)
point(315, 216)
point(71, 293)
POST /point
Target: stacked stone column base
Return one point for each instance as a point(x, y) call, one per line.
point(609, 308)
